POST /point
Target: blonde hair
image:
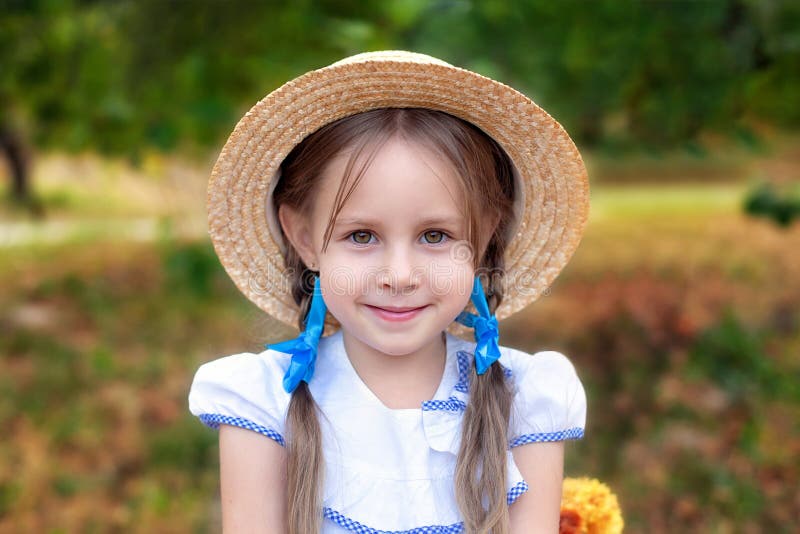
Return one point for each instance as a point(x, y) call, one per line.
point(486, 176)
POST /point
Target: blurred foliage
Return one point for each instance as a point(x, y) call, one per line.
point(190, 270)
point(123, 76)
point(733, 357)
point(687, 353)
point(97, 351)
point(766, 200)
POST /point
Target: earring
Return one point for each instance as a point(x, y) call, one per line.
point(303, 348)
point(487, 334)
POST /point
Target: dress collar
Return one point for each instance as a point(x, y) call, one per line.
point(459, 354)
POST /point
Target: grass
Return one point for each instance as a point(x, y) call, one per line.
point(622, 202)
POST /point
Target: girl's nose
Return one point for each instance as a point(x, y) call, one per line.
point(400, 269)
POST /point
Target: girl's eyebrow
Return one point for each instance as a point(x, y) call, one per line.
point(441, 221)
point(356, 221)
point(430, 221)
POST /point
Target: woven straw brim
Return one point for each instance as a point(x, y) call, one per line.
point(552, 173)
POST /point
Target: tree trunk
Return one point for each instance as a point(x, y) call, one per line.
point(11, 145)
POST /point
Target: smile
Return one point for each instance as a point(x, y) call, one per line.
point(396, 314)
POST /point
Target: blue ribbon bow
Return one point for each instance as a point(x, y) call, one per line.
point(303, 348)
point(487, 334)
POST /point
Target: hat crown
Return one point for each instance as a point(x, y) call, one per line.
point(391, 55)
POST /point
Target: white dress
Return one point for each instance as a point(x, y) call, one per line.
point(391, 470)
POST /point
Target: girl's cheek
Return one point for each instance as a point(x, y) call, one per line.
point(340, 280)
point(347, 274)
point(449, 277)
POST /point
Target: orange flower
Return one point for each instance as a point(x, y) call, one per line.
point(570, 522)
point(589, 507)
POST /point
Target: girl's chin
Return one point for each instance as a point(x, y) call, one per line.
point(399, 346)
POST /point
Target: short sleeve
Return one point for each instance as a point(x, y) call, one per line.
point(549, 400)
point(243, 390)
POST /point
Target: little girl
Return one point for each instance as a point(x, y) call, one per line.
point(400, 206)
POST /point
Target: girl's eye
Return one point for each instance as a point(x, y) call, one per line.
point(434, 236)
point(361, 237)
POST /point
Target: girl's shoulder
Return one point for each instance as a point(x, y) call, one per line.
point(243, 389)
point(549, 402)
point(543, 361)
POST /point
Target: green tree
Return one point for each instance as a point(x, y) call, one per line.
point(122, 77)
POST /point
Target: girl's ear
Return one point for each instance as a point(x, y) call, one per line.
point(297, 230)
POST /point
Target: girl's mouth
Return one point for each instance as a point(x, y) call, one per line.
point(396, 314)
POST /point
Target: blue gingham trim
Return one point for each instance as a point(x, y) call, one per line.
point(456, 528)
point(213, 420)
point(464, 362)
point(355, 526)
point(464, 366)
point(572, 433)
point(518, 489)
point(453, 403)
point(450, 405)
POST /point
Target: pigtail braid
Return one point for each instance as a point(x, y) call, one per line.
point(481, 470)
point(305, 461)
point(481, 466)
point(304, 444)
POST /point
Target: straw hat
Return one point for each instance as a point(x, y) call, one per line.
point(551, 207)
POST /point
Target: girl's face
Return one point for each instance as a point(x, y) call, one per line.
point(397, 269)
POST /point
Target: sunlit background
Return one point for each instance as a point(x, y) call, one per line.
point(679, 309)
